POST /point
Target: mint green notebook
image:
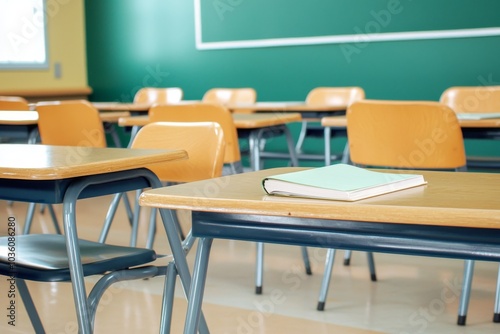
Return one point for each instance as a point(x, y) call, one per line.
point(339, 182)
point(477, 115)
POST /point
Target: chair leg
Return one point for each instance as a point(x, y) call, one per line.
point(302, 137)
point(496, 315)
point(465, 297)
point(117, 276)
point(371, 265)
point(152, 228)
point(54, 218)
point(30, 306)
point(347, 257)
point(135, 220)
point(29, 218)
point(307, 262)
point(168, 299)
point(109, 217)
point(323, 292)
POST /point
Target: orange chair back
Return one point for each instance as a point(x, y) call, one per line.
point(203, 141)
point(151, 95)
point(405, 134)
point(13, 103)
point(470, 99)
point(202, 112)
point(335, 96)
point(230, 95)
point(70, 123)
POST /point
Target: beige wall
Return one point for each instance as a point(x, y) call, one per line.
point(66, 45)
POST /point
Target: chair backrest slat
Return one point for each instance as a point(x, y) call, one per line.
point(405, 134)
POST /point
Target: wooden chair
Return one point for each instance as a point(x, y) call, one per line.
point(202, 140)
point(13, 103)
point(44, 258)
point(204, 112)
point(69, 123)
point(230, 95)
point(406, 135)
point(151, 95)
point(340, 97)
point(471, 99)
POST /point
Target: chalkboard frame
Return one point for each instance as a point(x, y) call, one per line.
point(334, 39)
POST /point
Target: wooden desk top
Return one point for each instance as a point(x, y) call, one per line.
point(18, 117)
point(119, 106)
point(25, 117)
point(341, 121)
point(285, 106)
point(241, 121)
point(255, 121)
point(46, 162)
point(449, 199)
point(132, 107)
point(113, 116)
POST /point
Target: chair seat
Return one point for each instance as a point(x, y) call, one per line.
point(43, 257)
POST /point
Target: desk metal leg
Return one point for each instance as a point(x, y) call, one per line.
point(179, 254)
point(259, 270)
point(198, 286)
point(346, 156)
point(328, 154)
point(464, 298)
point(75, 266)
point(496, 315)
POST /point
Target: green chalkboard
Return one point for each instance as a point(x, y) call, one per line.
point(223, 21)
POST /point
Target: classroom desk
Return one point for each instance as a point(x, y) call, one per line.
point(23, 124)
point(456, 215)
point(309, 113)
point(134, 108)
point(253, 126)
point(64, 174)
point(307, 110)
point(19, 124)
point(121, 106)
point(471, 129)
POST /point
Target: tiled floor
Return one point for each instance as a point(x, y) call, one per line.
point(412, 295)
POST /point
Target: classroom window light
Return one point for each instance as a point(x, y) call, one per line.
point(23, 36)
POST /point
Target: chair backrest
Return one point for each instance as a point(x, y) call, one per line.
point(470, 99)
point(202, 112)
point(230, 95)
point(13, 103)
point(203, 141)
point(71, 123)
point(152, 95)
point(405, 134)
point(335, 96)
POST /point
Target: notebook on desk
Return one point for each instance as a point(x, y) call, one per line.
point(340, 182)
point(477, 116)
